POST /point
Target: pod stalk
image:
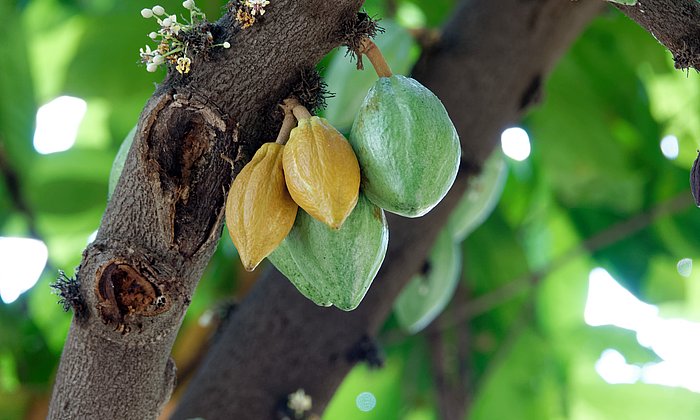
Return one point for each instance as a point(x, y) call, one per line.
point(372, 51)
point(287, 125)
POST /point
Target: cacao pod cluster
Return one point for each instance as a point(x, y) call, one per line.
point(402, 155)
point(316, 169)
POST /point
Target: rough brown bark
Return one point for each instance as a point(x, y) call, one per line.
point(164, 219)
point(674, 23)
point(488, 68)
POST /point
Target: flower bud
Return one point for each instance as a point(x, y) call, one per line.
point(158, 10)
point(147, 13)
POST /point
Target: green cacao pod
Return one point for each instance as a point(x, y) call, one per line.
point(334, 266)
point(481, 197)
point(407, 146)
point(428, 293)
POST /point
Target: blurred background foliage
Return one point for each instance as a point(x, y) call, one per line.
point(596, 191)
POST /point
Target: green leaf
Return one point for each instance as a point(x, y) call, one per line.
point(436, 11)
point(496, 254)
point(17, 106)
point(526, 384)
point(95, 63)
point(33, 360)
point(382, 383)
point(591, 135)
point(592, 398)
point(43, 307)
point(403, 387)
point(67, 195)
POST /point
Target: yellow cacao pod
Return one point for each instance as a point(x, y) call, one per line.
point(259, 210)
point(321, 171)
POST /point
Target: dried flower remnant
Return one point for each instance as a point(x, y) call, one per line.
point(247, 10)
point(68, 289)
point(299, 402)
point(244, 18)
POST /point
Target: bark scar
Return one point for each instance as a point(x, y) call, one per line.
point(124, 292)
point(181, 150)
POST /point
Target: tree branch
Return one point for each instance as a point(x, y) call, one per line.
point(674, 23)
point(491, 61)
point(164, 219)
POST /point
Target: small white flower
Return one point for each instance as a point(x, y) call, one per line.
point(147, 13)
point(145, 53)
point(258, 6)
point(166, 22)
point(153, 35)
point(151, 67)
point(158, 10)
point(188, 4)
point(175, 28)
point(226, 45)
point(158, 60)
